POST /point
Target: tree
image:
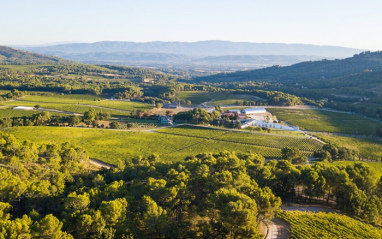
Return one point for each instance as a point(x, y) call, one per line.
point(158, 105)
point(89, 116)
point(74, 120)
point(289, 153)
point(95, 123)
point(50, 227)
point(114, 211)
point(114, 125)
point(235, 212)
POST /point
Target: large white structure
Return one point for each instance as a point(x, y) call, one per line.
point(264, 124)
point(23, 108)
point(251, 111)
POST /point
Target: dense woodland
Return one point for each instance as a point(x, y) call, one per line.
point(48, 191)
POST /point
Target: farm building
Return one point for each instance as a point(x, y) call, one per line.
point(164, 119)
point(253, 111)
point(264, 124)
point(23, 108)
point(234, 111)
point(170, 106)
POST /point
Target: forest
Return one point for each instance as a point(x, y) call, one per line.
point(51, 191)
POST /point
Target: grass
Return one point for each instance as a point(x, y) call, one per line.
point(10, 113)
point(374, 166)
point(368, 148)
point(110, 145)
point(325, 121)
point(66, 107)
point(87, 100)
point(263, 140)
point(198, 97)
point(327, 225)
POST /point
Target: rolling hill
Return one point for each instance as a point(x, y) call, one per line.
point(10, 55)
point(365, 62)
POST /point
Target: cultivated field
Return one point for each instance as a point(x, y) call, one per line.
point(110, 145)
point(327, 225)
point(75, 108)
point(10, 113)
point(325, 121)
point(270, 141)
point(87, 100)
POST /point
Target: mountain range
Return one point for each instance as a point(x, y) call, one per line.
point(223, 54)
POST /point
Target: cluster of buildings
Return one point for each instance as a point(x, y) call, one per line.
point(257, 117)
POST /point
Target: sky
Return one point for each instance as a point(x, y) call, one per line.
point(349, 23)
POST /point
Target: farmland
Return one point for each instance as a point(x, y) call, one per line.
point(368, 148)
point(90, 100)
point(9, 113)
point(325, 121)
point(75, 108)
point(245, 138)
point(327, 225)
point(110, 145)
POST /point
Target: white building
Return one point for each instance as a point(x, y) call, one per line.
point(251, 111)
point(234, 111)
point(264, 124)
point(23, 108)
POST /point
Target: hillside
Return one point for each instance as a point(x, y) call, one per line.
point(10, 55)
point(352, 84)
point(306, 70)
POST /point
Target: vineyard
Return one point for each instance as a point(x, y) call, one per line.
point(327, 225)
point(110, 145)
point(277, 142)
point(9, 113)
point(325, 121)
point(304, 144)
point(75, 108)
point(87, 100)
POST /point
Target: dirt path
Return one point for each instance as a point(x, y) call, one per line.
point(100, 164)
point(279, 229)
point(59, 111)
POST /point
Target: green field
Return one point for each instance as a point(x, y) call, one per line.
point(327, 225)
point(87, 100)
point(325, 121)
point(10, 113)
point(246, 138)
point(198, 97)
point(110, 145)
point(375, 166)
point(368, 148)
point(75, 108)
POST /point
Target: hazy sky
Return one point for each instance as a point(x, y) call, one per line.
point(351, 23)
